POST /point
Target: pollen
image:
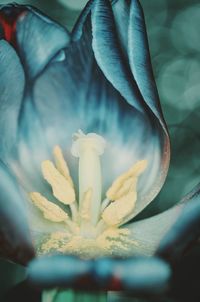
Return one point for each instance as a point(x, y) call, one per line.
point(91, 226)
point(112, 242)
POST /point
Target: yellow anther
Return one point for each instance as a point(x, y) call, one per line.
point(126, 181)
point(61, 187)
point(129, 184)
point(50, 210)
point(117, 212)
point(61, 164)
point(86, 205)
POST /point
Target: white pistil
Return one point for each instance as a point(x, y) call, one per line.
point(89, 148)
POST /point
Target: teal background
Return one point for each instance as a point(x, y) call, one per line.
point(173, 31)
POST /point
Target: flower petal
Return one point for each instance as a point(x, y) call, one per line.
point(31, 33)
point(140, 275)
point(73, 93)
point(140, 61)
point(39, 39)
point(169, 232)
point(15, 237)
point(185, 231)
point(108, 55)
point(11, 93)
point(57, 270)
point(133, 37)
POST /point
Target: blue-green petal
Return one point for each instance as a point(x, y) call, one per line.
point(16, 244)
point(11, 95)
point(39, 39)
point(35, 37)
point(53, 271)
point(140, 61)
point(108, 54)
point(169, 233)
point(185, 231)
point(140, 275)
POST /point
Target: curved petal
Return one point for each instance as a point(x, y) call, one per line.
point(133, 37)
point(170, 232)
point(185, 231)
point(142, 81)
point(108, 54)
point(39, 39)
point(11, 93)
point(140, 61)
point(15, 238)
point(36, 38)
point(76, 92)
point(147, 275)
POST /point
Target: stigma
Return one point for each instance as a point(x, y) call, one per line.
point(91, 222)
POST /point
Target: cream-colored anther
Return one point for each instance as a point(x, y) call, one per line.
point(86, 205)
point(50, 210)
point(89, 147)
point(117, 212)
point(126, 181)
point(61, 164)
point(61, 187)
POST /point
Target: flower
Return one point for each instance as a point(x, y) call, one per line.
point(98, 79)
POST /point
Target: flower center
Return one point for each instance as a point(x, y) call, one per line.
point(92, 224)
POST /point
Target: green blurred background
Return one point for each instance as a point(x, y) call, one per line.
point(173, 31)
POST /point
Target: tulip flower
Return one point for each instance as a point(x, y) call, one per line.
point(84, 148)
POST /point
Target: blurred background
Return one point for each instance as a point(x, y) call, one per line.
point(173, 31)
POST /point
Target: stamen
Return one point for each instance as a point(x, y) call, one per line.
point(123, 183)
point(50, 210)
point(94, 226)
point(118, 211)
point(61, 187)
point(61, 164)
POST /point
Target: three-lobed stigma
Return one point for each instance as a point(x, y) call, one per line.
point(91, 226)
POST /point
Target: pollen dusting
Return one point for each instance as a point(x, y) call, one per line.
point(112, 242)
point(90, 226)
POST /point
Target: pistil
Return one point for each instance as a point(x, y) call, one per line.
point(88, 148)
